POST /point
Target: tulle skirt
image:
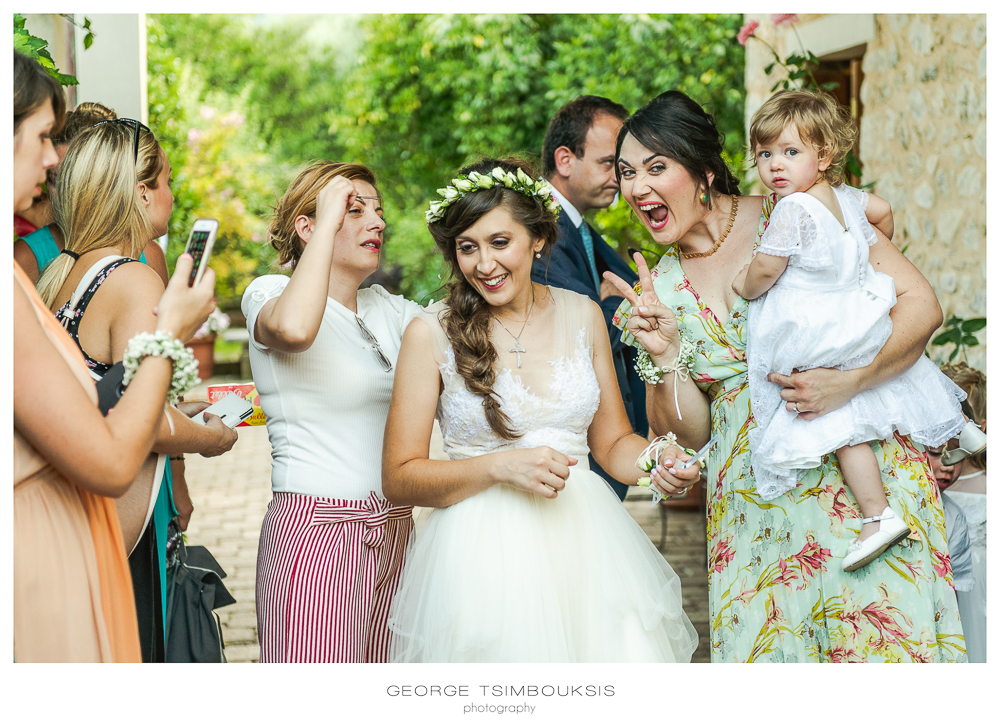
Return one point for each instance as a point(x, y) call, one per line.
point(506, 576)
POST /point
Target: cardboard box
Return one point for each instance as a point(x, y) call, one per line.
point(248, 391)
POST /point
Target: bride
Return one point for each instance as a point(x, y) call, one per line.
point(529, 556)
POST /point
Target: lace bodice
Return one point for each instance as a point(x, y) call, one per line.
point(551, 399)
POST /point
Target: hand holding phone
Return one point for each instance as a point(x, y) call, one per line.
point(199, 246)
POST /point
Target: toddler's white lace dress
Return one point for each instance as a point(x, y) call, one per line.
point(507, 576)
point(830, 308)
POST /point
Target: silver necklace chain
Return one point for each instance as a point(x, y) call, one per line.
point(517, 338)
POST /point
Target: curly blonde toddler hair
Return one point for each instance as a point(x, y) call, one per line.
point(821, 122)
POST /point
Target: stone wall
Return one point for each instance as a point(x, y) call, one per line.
point(923, 141)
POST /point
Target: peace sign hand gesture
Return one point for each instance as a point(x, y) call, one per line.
point(652, 324)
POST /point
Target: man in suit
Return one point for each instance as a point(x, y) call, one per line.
point(578, 160)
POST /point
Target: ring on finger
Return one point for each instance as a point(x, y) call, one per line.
point(795, 406)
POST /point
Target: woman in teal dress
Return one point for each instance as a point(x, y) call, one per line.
point(776, 588)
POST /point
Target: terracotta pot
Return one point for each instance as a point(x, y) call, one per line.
point(204, 352)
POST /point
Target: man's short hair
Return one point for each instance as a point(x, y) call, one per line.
point(570, 124)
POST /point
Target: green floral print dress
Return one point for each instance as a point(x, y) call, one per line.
point(776, 588)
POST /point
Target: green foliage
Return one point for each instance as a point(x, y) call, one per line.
point(34, 47)
point(284, 79)
point(219, 167)
point(430, 93)
point(425, 95)
point(961, 333)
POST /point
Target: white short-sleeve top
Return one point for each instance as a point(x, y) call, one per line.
point(326, 407)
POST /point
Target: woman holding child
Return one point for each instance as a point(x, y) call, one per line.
point(778, 591)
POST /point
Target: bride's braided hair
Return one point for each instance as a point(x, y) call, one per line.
point(466, 320)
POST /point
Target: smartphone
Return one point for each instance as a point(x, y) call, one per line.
point(199, 246)
point(232, 408)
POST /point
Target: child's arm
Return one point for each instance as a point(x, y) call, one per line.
point(879, 214)
point(759, 275)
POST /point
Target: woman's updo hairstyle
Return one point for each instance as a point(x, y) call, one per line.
point(97, 204)
point(675, 126)
point(300, 200)
point(467, 319)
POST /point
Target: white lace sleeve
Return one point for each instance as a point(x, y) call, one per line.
point(793, 232)
point(257, 294)
point(858, 195)
point(788, 226)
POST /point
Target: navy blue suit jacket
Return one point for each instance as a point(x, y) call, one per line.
point(567, 267)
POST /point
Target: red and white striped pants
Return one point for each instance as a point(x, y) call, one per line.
point(327, 570)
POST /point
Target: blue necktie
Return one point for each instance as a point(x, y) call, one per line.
point(588, 244)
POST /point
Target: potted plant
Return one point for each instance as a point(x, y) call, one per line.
point(203, 342)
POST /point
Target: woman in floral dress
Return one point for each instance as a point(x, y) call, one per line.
point(777, 591)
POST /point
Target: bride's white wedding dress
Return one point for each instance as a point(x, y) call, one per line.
point(507, 576)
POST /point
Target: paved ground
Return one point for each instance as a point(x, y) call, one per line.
point(231, 493)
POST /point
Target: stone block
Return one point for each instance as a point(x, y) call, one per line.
point(924, 196)
point(981, 64)
point(239, 636)
point(243, 654)
point(979, 140)
point(948, 222)
point(917, 103)
point(921, 36)
point(971, 236)
point(959, 33)
point(969, 182)
point(941, 180)
point(979, 32)
point(898, 22)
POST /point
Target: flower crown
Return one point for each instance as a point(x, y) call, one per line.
point(476, 181)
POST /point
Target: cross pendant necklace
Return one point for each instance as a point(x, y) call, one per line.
point(518, 349)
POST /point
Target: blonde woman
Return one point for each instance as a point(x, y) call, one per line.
point(37, 250)
point(323, 353)
point(112, 197)
point(72, 592)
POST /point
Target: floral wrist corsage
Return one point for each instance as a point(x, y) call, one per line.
point(653, 375)
point(650, 457)
point(162, 344)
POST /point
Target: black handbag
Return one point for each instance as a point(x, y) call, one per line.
point(110, 388)
point(194, 590)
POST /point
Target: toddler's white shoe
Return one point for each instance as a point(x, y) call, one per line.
point(891, 530)
point(971, 440)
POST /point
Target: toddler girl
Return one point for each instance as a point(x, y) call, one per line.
point(828, 307)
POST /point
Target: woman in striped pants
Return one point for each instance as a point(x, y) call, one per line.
point(323, 354)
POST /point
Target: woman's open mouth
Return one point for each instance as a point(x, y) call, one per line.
point(373, 244)
point(656, 214)
point(494, 282)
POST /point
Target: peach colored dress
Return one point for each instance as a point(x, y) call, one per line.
point(72, 588)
